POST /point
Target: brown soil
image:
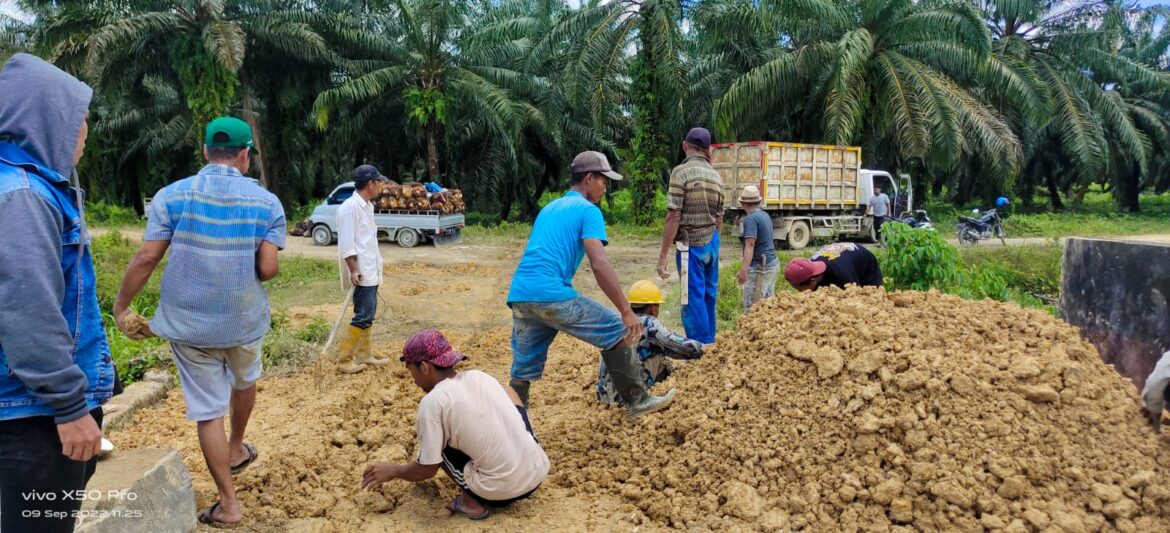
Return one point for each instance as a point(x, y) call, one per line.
point(825, 411)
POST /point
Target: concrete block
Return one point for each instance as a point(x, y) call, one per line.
point(151, 389)
point(1116, 292)
point(145, 490)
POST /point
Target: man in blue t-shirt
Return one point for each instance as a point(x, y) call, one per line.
point(544, 302)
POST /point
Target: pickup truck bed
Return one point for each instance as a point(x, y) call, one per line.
point(407, 228)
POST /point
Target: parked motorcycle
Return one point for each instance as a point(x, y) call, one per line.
point(988, 225)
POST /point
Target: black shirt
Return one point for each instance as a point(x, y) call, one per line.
point(848, 263)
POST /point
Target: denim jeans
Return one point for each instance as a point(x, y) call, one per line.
point(31, 466)
point(365, 305)
point(763, 278)
point(698, 314)
point(536, 324)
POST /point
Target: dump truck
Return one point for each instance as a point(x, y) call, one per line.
point(809, 190)
point(408, 228)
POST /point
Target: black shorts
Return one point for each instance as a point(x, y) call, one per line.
point(454, 460)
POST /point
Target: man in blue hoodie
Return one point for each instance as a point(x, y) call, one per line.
point(55, 366)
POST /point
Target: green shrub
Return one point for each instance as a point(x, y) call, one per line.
point(301, 212)
point(285, 350)
point(112, 253)
point(315, 332)
point(105, 214)
point(918, 259)
point(133, 358)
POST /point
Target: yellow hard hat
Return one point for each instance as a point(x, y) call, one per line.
point(645, 292)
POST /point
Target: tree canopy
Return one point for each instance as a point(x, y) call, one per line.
point(974, 98)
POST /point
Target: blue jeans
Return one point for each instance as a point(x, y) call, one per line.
point(698, 314)
point(365, 305)
point(762, 277)
point(536, 324)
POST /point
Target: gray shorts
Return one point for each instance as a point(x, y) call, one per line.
point(208, 376)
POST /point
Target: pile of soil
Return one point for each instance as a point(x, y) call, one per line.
point(858, 409)
point(834, 410)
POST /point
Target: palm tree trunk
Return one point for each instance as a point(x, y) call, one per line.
point(1082, 189)
point(1053, 192)
point(433, 149)
point(254, 122)
point(1128, 190)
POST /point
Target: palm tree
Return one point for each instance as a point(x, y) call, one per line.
point(411, 55)
point(198, 47)
point(593, 46)
point(455, 71)
point(889, 75)
point(13, 36)
point(1058, 69)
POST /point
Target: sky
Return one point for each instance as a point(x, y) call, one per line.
point(8, 7)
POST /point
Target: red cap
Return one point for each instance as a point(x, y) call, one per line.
point(430, 346)
point(799, 270)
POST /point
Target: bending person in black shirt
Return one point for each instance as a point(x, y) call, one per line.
point(840, 264)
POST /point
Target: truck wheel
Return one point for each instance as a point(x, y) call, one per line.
point(322, 236)
point(407, 238)
point(798, 235)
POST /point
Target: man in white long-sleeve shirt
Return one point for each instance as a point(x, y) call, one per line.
point(361, 267)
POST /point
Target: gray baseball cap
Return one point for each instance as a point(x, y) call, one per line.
point(593, 162)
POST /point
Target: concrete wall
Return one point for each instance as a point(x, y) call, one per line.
point(1117, 293)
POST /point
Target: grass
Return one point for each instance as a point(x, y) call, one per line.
point(1096, 217)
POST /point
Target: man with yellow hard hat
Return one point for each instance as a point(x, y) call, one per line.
point(657, 346)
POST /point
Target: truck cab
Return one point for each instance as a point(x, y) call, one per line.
point(899, 190)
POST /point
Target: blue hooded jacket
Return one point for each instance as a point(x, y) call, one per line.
point(54, 357)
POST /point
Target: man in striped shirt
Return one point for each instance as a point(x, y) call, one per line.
point(223, 231)
point(694, 218)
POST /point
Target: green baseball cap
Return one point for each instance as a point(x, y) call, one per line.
point(228, 132)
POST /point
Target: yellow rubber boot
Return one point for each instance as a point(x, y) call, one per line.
point(363, 354)
point(345, 351)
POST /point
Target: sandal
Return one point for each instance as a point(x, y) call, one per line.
point(207, 516)
point(457, 509)
point(252, 455)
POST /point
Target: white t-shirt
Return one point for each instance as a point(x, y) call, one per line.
point(472, 413)
point(357, 235)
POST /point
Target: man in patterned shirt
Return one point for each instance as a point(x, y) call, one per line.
point(223, 231)
point(694, 219)
point(656, 348)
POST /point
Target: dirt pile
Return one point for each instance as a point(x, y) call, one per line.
point(828, 411)
point(844, 410)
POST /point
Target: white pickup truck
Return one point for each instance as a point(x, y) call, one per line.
point(407, 228)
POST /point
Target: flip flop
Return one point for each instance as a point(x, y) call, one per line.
point(252, 455)
point(207, 516)
point(457, 509)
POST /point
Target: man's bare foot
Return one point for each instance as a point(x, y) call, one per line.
point(467, 506)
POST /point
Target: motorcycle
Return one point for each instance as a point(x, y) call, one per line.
point(988, 225)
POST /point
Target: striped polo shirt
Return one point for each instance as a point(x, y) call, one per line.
point(696, 190)
point(215, 221)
